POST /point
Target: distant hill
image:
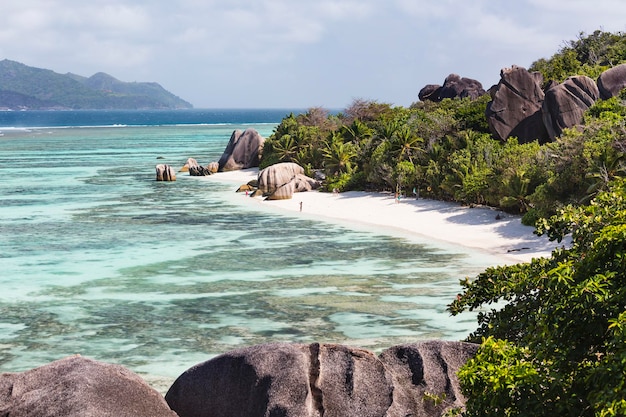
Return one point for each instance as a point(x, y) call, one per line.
point(23, 87)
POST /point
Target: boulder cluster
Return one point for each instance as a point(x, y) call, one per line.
point(242, 151)
point(275, 379)
point(522, 107)
point(454, 86)
point(279, 182)
point(276, 182)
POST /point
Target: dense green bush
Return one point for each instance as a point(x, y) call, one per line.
point(556, 343)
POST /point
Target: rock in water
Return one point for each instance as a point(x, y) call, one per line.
point(191, 163)
point(242, 151)
point(79, 387)
point(165, 173)
point(315, 380)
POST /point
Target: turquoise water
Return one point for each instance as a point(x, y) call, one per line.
point(99, 259)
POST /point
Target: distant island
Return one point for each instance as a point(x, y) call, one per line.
point(29, 88)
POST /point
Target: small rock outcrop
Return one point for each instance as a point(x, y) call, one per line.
point(565, 104)
point(191, 163)
point(242, 151)
point(165, 173)
point(515, 108)
point(280, 181)
point(453, 86)
point(315, 380)
point(79, 387)
point(612, 81)
point(199, 171)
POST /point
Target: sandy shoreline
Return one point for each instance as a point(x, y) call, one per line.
point(476, 228)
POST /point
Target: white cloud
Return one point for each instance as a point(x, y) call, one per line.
point(288, 51)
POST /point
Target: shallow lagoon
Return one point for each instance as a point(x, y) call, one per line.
point(99, 259)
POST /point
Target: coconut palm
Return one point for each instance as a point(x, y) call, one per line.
point(338, 155)
point(405, 144)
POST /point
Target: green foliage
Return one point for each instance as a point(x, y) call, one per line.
point(588, 55)
point(446, 151)
point(556, 344)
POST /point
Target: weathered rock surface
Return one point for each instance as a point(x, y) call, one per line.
point(79, 387)
point(242, 151)
point(165, 172)
point(565, 104)
point(199, 171)
point(612, 81)
point(453, 86)
point(316, 380)
point(281, 181)
point(425, 368)
point(191, 163)
point(516, 106)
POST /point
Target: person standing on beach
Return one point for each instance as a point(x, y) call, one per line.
point(301, 206)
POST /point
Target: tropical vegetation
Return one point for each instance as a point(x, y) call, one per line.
point(552, 332)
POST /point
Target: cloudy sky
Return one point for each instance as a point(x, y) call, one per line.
point(295, 53)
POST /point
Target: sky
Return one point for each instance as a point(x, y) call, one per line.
point(295, 53)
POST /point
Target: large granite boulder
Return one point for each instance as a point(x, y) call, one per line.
point(315, 380)
point(612, 81)
point(280, 181)
point(79, 387)
point(165, 172)
point(426, 369)
point(515, 108)
point(565, 104)
point(242, 151)
point(453, 86)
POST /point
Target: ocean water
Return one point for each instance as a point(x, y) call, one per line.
point(99, 259)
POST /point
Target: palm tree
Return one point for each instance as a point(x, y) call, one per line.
point(610, 166)
point(357, 131)
point(405, 144)
point(338, 156)
point(516, 192)
point(285, 148)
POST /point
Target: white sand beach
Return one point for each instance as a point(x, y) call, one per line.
point(475, 228)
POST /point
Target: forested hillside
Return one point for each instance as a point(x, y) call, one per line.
point(29, 88)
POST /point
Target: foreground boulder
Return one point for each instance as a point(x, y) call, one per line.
point(165, 173)
point(315, 380)
point(454, 86)
point(79, 387)
point(612, 81)
point(242, 151)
